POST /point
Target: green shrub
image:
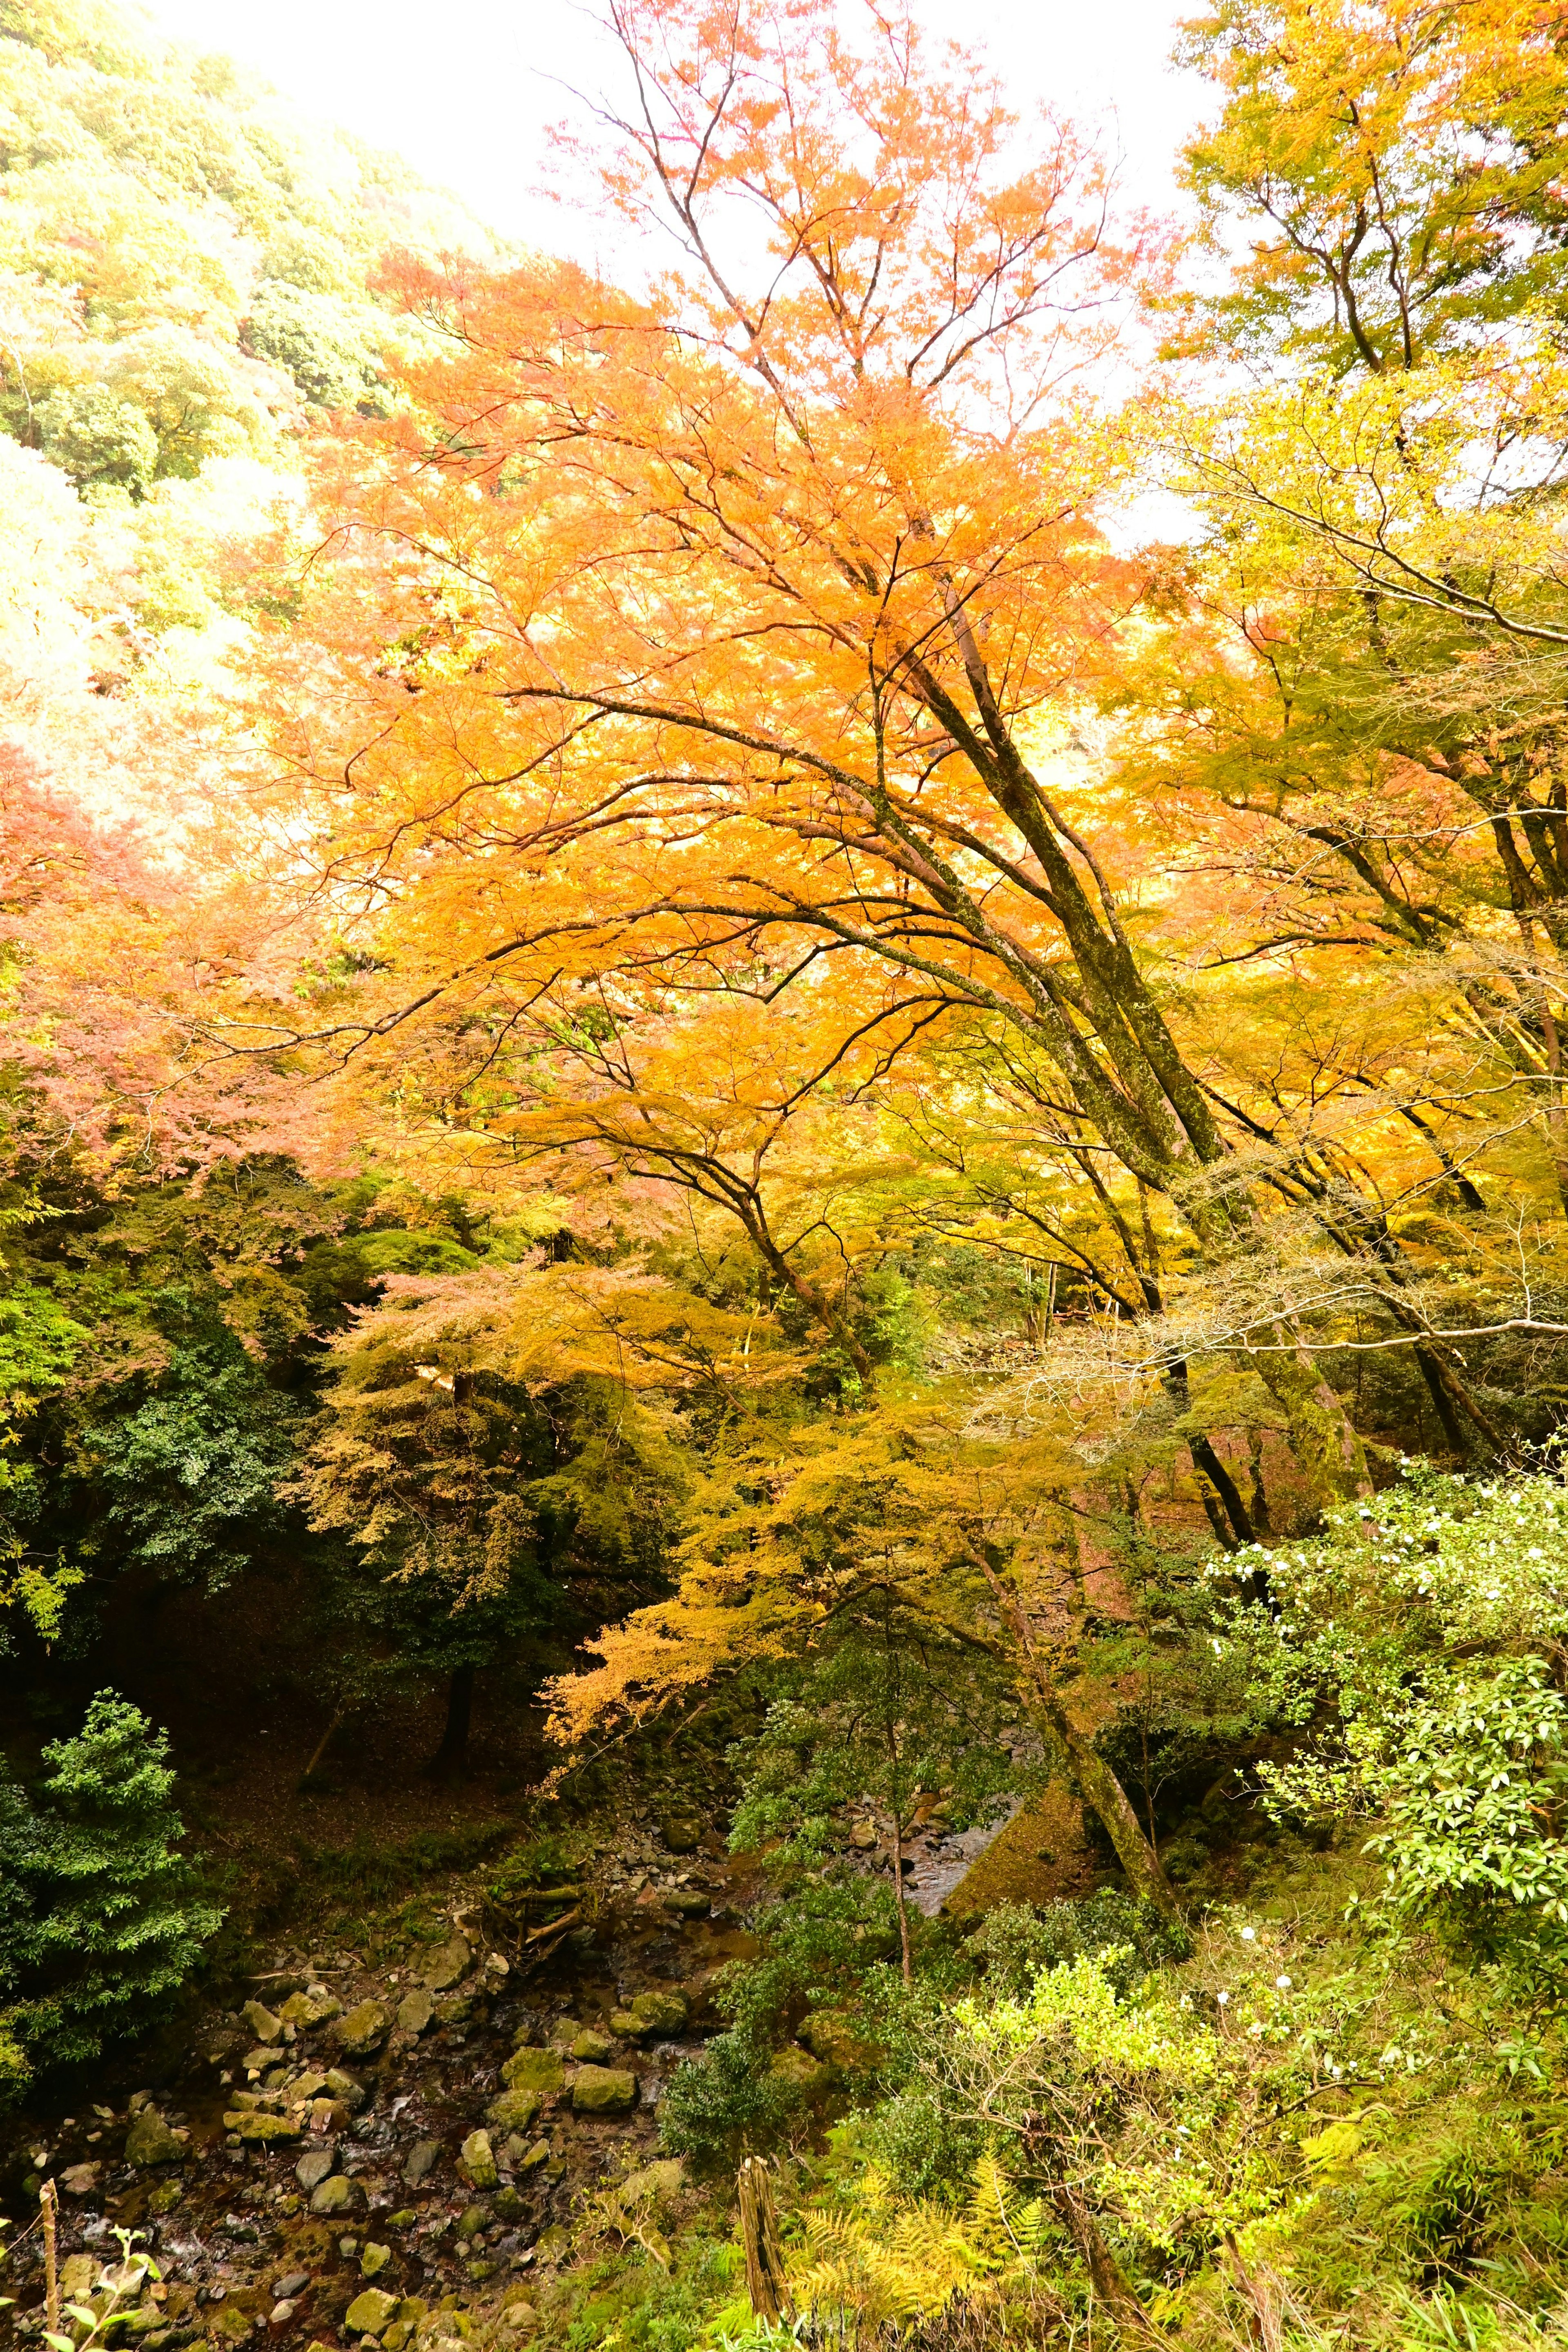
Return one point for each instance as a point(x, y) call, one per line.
point(1129, 1938)
point(103, 1919)
point(727, 2100)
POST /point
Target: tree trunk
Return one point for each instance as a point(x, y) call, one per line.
point(451, 1758)
point(1105, 2273)
point(1102, 1791)
point(765, 2280)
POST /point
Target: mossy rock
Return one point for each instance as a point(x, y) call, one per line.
point(259, 2130)
point(362, 2027)
point(514, 2111)
point(661, 2012)
point(371, 2312)
point(604, 2090)
point(543, 2071)
point(590, 2049)
point(152, 2141)
point(794, 2071)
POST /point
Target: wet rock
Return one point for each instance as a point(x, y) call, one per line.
point(151, 2141)
point(508, 2204)
point(362, 2029)
point(449, 1965)
point(335, 2195)
point(863, 1836)
point(345, 2090)
point(79, 2276)
point(371, 2312)
point(533, 2158)
point(315, 2167)
point(590, 2048)
point(604, 2090)
point(281, 2313)
point(374, 2260)
point(680, 1836)
point(291, 2285)
point(414, 2010)
point(689, 1902)
point(166, 2196)
point(423, 2158)
point(514, 2110)
point(534, 2070)
point(260, 2060)
point(472, 2220)
point(478, 2160)
point(263, 2024)
point(81, 2179)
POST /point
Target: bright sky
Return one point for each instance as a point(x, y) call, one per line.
point(465, 96)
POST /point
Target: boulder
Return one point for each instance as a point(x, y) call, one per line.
point(423, 2158)
point(661, 2012)
point(658, 2182)
point(830, 2036)
point(369, 2313)
point(414, 2010)
point(448, 1965)
point(151, 2141)
point(680, 1836)
point(792, 2070)
point(315, 2167)
point(534, 2070)
point(590, 2048)
point(362, 2027)
point(514, 2110)
point(478, 2160)
point(312, 2007)
point(604, 2090)
point(257, 2129)
point(262, 2023)
point(336, 2194)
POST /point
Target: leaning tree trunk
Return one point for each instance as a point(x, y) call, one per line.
point(1102, 1791)
point(451, 1758)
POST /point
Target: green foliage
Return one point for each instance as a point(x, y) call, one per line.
point(1126, 1940)
point(729, 2099)
point(104, 1919)
point(179, 1476)
point(1429, 1624)
point(327, 345)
